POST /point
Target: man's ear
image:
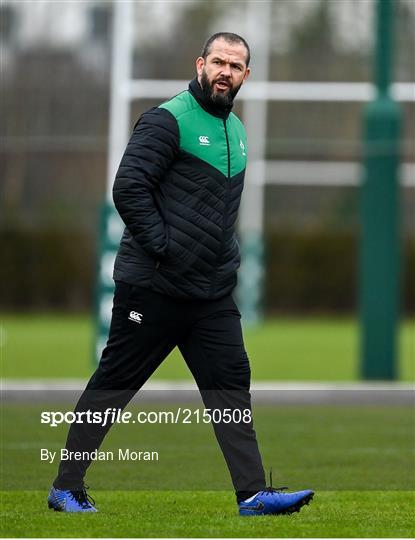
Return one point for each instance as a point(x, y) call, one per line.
point(200, 62)
point(247, 73)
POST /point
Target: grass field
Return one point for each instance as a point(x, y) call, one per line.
point(327, 447)
point(359, 460)
point(206, 514)
point(315, 349)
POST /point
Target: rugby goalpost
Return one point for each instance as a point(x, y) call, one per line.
point(254, 96)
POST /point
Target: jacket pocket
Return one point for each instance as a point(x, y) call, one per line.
point(176, 253)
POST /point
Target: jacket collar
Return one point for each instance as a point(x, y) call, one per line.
point(197, 92)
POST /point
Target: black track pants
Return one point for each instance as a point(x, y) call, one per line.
point(208, 334)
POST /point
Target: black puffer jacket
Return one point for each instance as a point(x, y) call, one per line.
point(178, 190)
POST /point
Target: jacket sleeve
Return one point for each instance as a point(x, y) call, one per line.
point(153, 146)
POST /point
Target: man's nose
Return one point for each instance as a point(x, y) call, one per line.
point(226, 70)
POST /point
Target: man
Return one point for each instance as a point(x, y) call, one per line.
point(178, 190)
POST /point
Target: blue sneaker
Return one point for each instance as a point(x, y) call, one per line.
point(273, 501)
point(70, 501)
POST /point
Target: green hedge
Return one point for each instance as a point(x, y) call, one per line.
point(46, 270)
point(307, 271)
point(317, 270)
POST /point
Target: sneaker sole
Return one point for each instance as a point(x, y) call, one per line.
point(296, 507)
point(50, 505)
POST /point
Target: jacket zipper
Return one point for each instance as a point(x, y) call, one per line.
point(158, 261)
point(225, 213)
point(229, 150)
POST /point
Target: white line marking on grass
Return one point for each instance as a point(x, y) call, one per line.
point(272, 392)
point(162, 385)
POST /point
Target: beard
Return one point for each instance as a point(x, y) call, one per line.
point(222, 100)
